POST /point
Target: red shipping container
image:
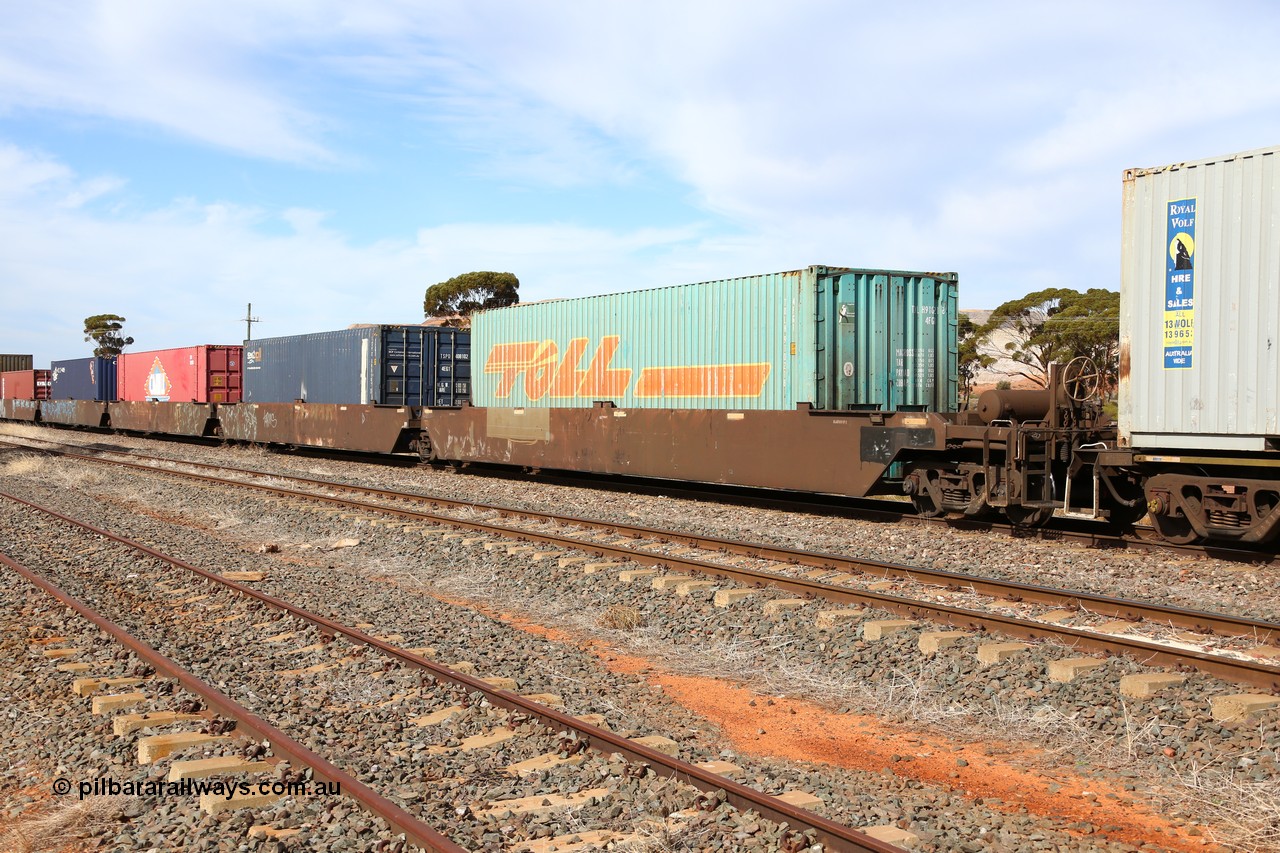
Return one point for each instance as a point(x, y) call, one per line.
point(204, 374)
point(25, 385)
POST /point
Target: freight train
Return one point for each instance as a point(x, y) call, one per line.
point(834, 380)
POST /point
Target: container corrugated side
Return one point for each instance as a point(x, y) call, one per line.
point(832, 337)
point(92, 378)
point(1200, 336)
point(10, 362)
point(379, 364)
point(209, 373)
point(322, 367)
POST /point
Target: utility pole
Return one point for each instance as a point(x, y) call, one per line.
point(249, 320)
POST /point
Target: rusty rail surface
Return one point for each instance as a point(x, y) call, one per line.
point(1086, 532)
point(835, 836)
point(281, 744)
point(1197, 621)
point(1193, 620)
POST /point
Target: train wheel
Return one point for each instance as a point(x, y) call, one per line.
point(924, 494)
point(1028, 516)
point(925, 507)
point(1177, 531)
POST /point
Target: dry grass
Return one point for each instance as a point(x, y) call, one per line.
point(1244, 813)
point(60, 824)
point(18, 430)
point(24, 465)
point(620, 617)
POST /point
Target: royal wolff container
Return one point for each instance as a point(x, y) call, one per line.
point(209, 373)
point(10, 362)
point(831, 337)
point(1200, 304)
point(374, 364)
point(92, 378)
point(24, 385)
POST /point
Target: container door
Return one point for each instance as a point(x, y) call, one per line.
point(862, 329)
point(915, 350)
point(895, 342)
point(848, 360)
point(461, 352)
point(107, 380)
point(402, 366)
point(223, 374)
point(451, 368)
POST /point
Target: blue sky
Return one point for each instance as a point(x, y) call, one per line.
point(327, 161)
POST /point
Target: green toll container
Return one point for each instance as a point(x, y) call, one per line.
point(835, 338)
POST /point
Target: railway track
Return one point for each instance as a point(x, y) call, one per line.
point(168, 597)
point(244, 722)
point(1086, 532)
point(1229, 647)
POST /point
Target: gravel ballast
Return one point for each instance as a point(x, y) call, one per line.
point(387, 572)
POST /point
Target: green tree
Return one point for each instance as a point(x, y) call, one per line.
point(1015, 331)
point(459, 297)
point(970, 358)
point(104, 330)
point(1055, 325)
point(1088, 324)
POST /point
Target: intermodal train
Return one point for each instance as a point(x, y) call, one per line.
point(834, 380)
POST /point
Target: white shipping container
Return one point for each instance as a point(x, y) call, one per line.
point(1200, 304)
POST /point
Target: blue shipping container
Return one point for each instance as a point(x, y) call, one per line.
point(382, 364)
point(90, 378)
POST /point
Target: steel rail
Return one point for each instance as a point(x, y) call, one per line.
point(1197, 621)
point(1251, 673)
point(281, 744)
point(836, 836)
point(1058, 529)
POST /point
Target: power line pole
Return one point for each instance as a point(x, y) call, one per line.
point(249, 320)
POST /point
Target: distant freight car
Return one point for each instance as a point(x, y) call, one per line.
point(379, 364)
point(24, 385)
point(9, 362)
point(1200, 305)
point(201, 374)
point(92, 378)
point(835, 338)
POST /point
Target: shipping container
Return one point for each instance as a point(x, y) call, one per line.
point(92, 378)
point(376, 364)
point(1200, 304)
point(9, 363)
point(835, 338)
point(24, 385)
point(209, 373)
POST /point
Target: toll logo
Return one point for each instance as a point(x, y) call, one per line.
point(158, 385)
point(550, 371)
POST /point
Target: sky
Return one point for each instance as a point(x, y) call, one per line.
point(328, 161)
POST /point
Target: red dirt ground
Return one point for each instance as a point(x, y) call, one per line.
point(799, 730)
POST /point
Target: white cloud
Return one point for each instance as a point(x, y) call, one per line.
point(179, 67)
point(182, 274)
point(986, 138)
point(23, 172)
